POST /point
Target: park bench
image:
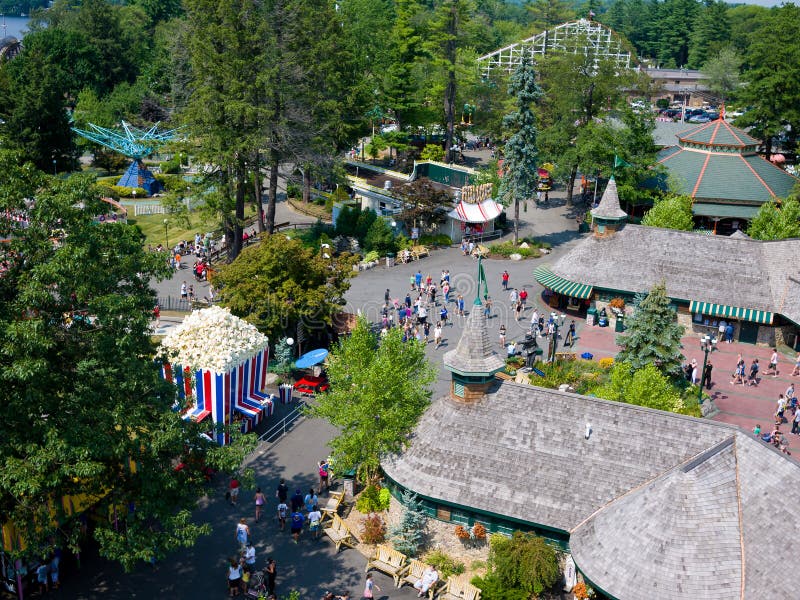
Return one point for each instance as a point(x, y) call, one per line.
point(387, 560)
point(503, 376)
point(331, 507)
point(566, 356)
point(458, 588)
point(419, 251)
point(339, 533)
point(412, 573)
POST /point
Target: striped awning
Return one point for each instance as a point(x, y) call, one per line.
point(560, 285)
point(733, 312)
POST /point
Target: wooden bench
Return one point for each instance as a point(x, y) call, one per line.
point(458, 588)
point(503, 376)
point(331, 507)
point(340, 533)
point(419, 251)
point(412, 573)
point(387, 560)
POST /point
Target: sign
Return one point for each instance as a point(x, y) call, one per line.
point(415, 233)
point(475, 194)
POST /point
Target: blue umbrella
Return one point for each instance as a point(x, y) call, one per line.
point(309, 359)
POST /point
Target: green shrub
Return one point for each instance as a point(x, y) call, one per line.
point(172, 166)
point(371, 256)
point(493, 589)
point(380, 237)
point(444, 563)
point(440, 239)
point(293, 190)
point(408, 533)
point(127, 192)
point(524, 562)
point(508, 248)
point(534, 243)
point(172, 183)
point(373, 499)
point(373, 530)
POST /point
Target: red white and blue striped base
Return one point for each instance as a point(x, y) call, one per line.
point(227, 397)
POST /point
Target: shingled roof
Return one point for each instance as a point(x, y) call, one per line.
point(608, 207)
point(651, 499)
point(759, 275)
point(475, 353)
point(717, 162)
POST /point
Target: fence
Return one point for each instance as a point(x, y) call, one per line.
point(148, 209)
point(173, 303)
point(281, 428)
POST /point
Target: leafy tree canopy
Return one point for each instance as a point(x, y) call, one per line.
point(646, 386)
point(653, 336)
point(671, 212)
point(776, 222)
point(279, 283)
point(379, 389)
point(83, 402)
point(524, 562)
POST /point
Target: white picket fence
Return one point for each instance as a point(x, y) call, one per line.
point(148, 209)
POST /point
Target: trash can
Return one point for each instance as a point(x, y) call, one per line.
point(390, 259)
point(620, 326)
point(583, 228)
point(349, 484)
point(591, 316)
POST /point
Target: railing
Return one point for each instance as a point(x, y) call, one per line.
point(173, 303)
point(148, 209)
point(280, 429)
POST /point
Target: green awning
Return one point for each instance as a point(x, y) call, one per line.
point(560, 285)
point(735, 312)
point(737, 211)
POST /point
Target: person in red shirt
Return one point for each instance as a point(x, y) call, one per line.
point(505, 279)
point(157, 315)
point(523, 297)
point(234, 491)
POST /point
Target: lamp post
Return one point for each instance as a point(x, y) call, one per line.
point(290, 343)
point(166, 233)
point(54, 167)
point(708, 344)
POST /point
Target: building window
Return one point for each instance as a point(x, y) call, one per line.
point(442, 513)
point(458, 389)
point(462, 518)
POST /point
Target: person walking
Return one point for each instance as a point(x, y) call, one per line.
point(796, 370)
point(569, 339)
point(370, 586)
point(460, 305)
point(753, 377)
point(707, 375)
point(184, 291)
point(437, 335)
point(796, 423)
point(233, 489)
point(157, 315)
point(513, 297)
point(249, 557)
point(446, 292)
point(387, 296)
point(443, 316)
point(297, 501)
point(729, 333)
point(261, 500)
point(502, 336)
point(314, 520)
point(296, 524)
point(324, 475)
point(242, 532)
point(535, 322)
point(505, 277)
point(272, 572)
point(523, 297)
point(773, 363)
point(310, 500)
point(234, 577)
point(518, 309)
point(283, 511)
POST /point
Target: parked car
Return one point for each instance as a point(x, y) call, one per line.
point(700, 119)
point(712, 114)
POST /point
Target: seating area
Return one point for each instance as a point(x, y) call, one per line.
point(387, 560)
point(412, 573)
point(419, 251)
point(339, 533)
point(330, 509)
point(458, 588)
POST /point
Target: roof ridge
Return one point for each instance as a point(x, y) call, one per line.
point(715, 132)
point(739, 512)
point(757, 176)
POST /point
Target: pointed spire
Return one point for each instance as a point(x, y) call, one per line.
point(474, 355)
point(609, 204)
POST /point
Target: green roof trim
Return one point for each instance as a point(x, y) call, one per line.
point(703, 209)
point(723, 310)
point(560, 285)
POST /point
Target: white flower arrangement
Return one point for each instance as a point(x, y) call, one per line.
point(212, 339)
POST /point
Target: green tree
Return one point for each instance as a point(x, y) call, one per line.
point(523, 562)
point(407, 535)
point(432, 152)
point(380, 237)
point(83, 403)
point(773, 79)
point(671, 212)
point(278, 284)
point(378, 391)
point(424, 205)
point(653, 335)
point(521, 153)
point(722, 71)
point(710, 32)
point(776, 222)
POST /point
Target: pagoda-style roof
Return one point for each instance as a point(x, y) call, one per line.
point(474, 355)
point(609, 208)
point(717, 162)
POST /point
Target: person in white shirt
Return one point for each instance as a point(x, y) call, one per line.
point(429, 577)
point(314, 519)
point(437, 334)
point(249, 556)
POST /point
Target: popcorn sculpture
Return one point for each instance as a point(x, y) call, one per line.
point(219, 363)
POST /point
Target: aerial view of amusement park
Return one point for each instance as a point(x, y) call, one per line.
point(454, 299)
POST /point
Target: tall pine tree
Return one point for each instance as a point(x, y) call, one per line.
point(520, 179)
point(653, 335)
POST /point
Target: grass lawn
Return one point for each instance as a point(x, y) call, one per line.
point(152, 226)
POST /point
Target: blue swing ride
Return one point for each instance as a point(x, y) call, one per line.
point(134, 143)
